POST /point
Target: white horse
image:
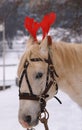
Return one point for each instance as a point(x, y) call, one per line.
point(67, 61)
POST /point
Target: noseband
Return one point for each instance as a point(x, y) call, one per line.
point(50, 80)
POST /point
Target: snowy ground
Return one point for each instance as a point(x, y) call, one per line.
point(67, 116)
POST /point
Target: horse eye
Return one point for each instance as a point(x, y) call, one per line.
point(39, 75)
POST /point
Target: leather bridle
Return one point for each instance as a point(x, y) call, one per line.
point(50, 80)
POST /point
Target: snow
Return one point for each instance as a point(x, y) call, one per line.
point(67, 116)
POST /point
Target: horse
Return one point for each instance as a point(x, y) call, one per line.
point(66, 62)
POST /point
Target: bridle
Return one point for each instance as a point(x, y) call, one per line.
point(32, 26)
point(51, 74)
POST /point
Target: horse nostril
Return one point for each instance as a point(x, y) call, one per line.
point(28, 119)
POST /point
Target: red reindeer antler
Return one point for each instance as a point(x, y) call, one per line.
point(47, 21)
point(33, 26)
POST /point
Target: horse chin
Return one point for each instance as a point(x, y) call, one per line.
point(30, 125)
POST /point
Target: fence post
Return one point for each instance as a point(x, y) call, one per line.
point(4, 56)
point(2, 29)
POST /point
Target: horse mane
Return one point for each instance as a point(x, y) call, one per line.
point(68, 54)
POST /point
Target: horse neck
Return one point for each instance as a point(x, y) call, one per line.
point(68, 65)
point(66, 59)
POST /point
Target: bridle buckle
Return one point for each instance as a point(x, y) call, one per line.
point(42, 103)
point(51, 67)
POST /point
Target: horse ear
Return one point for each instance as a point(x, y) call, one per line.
point(44, 45)
point(30, 41)
point(46, 42)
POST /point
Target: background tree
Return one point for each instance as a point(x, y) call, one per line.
point(69, 13)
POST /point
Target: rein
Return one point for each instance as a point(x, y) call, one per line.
point(51, 73)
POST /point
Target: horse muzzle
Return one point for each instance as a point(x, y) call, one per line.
point(27, 122)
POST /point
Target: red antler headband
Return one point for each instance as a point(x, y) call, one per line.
point(33, 26)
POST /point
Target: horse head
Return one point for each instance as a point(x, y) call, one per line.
point(37, 82)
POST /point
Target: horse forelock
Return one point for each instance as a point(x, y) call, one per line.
point(31, 52)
